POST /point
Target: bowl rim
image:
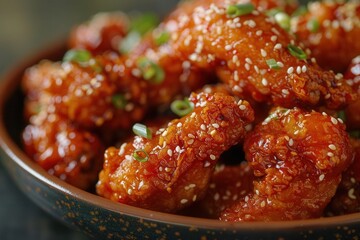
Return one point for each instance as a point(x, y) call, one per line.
point(11, 81)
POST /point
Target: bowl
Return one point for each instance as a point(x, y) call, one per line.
point(104, 219)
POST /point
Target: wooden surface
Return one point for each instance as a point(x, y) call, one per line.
point(25, 27)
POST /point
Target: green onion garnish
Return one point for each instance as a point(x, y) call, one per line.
point(272, 64)
point(162, 38)
point(142, 130)
point(140, 155)
point(119, 101)
point(150, 70)
point(77, 55)
point(283, 20)
point(297, 52)
point(313, 25)
point(299, 11)
point(240, 9)
point(272, 12)
point(144, 23)
point(182, 107)
point(128, 43)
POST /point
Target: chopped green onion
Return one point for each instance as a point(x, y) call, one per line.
point(119, 101)
point(283, 20)
point(240, 9)
point(142, 130)
point(297, 52)
point(342, 115)
point(150, 70)
point(313, 25)
point(299, 11)
point(141, 155)
point(128, 43)
point(272, 12)
point(144, 23)
point(182, 107)
point(272, 64)
point(77, 55)
point(162, 38)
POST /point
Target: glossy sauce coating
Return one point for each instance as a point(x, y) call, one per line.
point(329, 30)
point(298, 158)
point(352, 112)
point(180, 158)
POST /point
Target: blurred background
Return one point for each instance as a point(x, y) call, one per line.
point(25, 28)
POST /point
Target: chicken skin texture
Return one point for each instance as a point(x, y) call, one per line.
point(298, 158)
point(228, 184)
point(177, 162)
point(63, 150)
point(255, 57)
point(329, 30)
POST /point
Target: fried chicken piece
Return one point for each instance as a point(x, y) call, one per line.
point(87, 95)
point(65, 151)
point(330, 29)
point(103, 32)
point(347, 197)
point(352, 112)
point(172, 169)
point(254, 56)
point(298, 158)
point(227, 185)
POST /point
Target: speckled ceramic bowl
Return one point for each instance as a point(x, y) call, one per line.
point(103, 219)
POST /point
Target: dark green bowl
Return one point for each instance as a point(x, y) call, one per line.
point(103, 219)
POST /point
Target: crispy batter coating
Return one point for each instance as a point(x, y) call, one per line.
point(329, 30)
point(299, 158)
point(65, 151)
point(347, 197)
point(250, 53)
point(227, 185)
point(352, 112)
point(179, 159)
point(103, 32)
point(85, 94)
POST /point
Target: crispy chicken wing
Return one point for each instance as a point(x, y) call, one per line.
point(298, 158)
point(172, 169)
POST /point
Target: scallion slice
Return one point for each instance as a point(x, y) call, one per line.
point(313, 25)
point(162, 38)
point(342, 115)
point(240, 9)
point(182, 107)
point(141, 155)
point(283, 20)
point(119, 101)
point(150, 70)
point(77, 55)
point(297, 52)
point(142, 130)
point(272, 64)
point(144, 23)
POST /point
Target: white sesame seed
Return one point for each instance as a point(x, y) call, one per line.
point(167, 169)
point(285, 91)
point(190, 141)
point(280, 64)
point(334, 121)
point(332, 147)
point(215, 125)
point(203, 127)
point(228, 47)
point(207, 164)
point(298, 69)
point(330, 154)
point(248, 60)
point(190, 135)
point(264, 82)
point(183, 201)
point(262, 204)
point(278, 46)
point(351, 194)
point(179, 125)
point(263, 52)
point(291, 142)
point(247, 66)
point(194, 198)
point(242, 107)
point(290, 70)
point(246, 199)
point(169, 152)
point(321, 177)
point(178, 149)
point(304, 69)
point(216, 196)
point(273, 38)
point(212, 157)
point(259, 32)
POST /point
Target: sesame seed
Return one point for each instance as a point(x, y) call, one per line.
point(242, 107)
point(285, 91)
point(332, 147)
point(290, 70)
point(280, 64)
point(259, 32)
point(262, 204)
point(207, 164)
point(330, 154)
point(212, 157)
point(167, 169)
point(321, 177)
point(179, 124)
point(264, 82)
point(278, 46)
point(216, 196)
point(194, 198)
point(190, 135)
point(248, 60)
point(215, 125)
point(178, 149)
point(246, 199)
point(334, 121)
point(247, 66)
point(263, 52)
point(291, 142)
point(298, 70)
point(351, 194)
point(304, 69)
point(228, 47)
point(203, 127)
point(273, 38)
point(190, 141)
point(183, 201)
point(169, 152)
